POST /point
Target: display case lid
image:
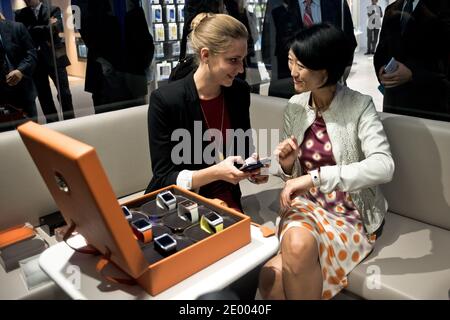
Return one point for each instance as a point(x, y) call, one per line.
point(78, 183)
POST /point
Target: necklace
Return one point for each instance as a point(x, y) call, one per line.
point(221, 157)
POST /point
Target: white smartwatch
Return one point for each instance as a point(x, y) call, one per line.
point(188, 211)
point(166, 200)
point(315, 176)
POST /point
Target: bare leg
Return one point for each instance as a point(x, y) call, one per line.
point(302, 275)
point(270, 280)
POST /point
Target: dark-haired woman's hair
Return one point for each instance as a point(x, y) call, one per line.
point(323, 46)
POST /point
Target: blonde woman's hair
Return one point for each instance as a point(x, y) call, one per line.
point(215, 32)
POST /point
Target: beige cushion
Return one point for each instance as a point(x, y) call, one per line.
point(120, 139)
point(413, 259)
point(261, 201)
point(420, 188)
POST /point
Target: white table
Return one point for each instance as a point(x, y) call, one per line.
point(75, 273)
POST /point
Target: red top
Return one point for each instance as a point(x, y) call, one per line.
point(213, 111)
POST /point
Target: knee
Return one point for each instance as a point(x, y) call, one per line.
point(268, 278)
point(298, 242)
point(299, 250)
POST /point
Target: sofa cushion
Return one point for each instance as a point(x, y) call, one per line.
point(120, 139)
point(420, 188)
point(412, 260)
point(261, 201)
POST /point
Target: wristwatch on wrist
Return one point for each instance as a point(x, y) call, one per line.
point(315, 176)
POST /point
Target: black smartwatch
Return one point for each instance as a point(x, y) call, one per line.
point(165, 243)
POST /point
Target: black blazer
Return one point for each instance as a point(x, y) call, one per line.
point(424, 49)
point(177, 105)
point(21, 53)
point(39, 29)
point(19, 47)
point(288, 22)
point(101, 31)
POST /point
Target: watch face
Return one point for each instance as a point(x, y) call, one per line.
point(141, 224)
point(166, 241)
point(168, 197)
point(212, 216)
point(188, 204)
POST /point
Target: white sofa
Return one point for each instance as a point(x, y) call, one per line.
point(411, 259)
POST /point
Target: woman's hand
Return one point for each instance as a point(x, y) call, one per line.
point(295, 187)
point(256, 177)
point(287, 153)
point(225, 170)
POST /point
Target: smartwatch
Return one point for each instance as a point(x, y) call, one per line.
point(188, 211)
point(211, 222)
point(127, 213)
point(165, 243)
point(315, 176)
point(142, 229)
point(166, 200)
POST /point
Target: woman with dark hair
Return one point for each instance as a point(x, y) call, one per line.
point(333, 156)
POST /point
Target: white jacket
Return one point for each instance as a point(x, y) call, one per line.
point(360, 148)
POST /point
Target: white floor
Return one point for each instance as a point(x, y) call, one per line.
point(362, 78)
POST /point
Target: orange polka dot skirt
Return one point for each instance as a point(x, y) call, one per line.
point(342, 242)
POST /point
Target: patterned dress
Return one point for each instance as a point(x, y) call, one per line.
point(332, 218)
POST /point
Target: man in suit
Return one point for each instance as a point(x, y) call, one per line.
point(417, 34)
point(18, 59)
point(295, 15)
point(44, 22)
point(120, 51)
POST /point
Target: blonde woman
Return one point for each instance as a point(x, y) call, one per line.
point(210, 96)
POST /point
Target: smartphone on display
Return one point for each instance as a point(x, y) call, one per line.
point(391, 66)
point(256, 165)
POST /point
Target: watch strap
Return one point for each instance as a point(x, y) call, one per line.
point(145, 236)
point(204, 225)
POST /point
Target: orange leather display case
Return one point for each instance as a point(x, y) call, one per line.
point(79, 185)
point(177, 267)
